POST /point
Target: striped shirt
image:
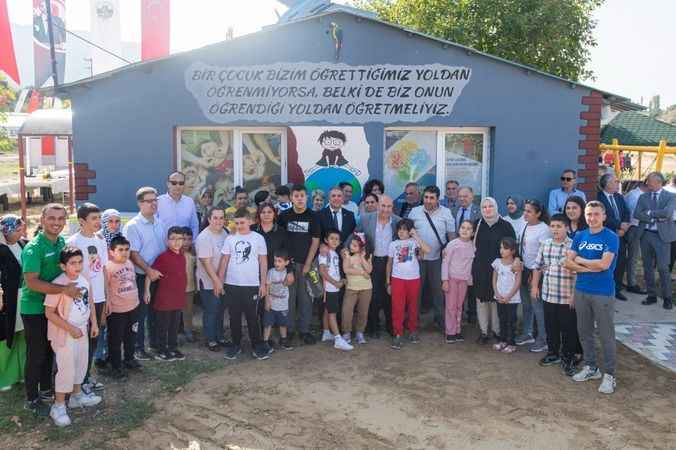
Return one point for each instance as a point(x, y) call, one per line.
point(558, 282)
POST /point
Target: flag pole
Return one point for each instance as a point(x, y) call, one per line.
point(52, 51)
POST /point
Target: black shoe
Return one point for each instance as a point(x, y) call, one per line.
point(459, 338)
point(285, 344)
point(142, 355)
point(483, 339)
point(550, 360)
point(38, 407)
point(117, 374)
point(100, 363)
point(620, 296)
point(450, 339)
point(213, 346)
point(309, 339)
point(47, 395)
point(568, 366)
point(261, 353)
point(636, 290)
point(232, 352)
point(668, 304)
point(164, 356)
point(223, 343)
point(650, 300)
point(267, 348)
point(133, 365)
point(177, 355)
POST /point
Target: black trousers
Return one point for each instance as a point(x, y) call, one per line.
point(621, 266)
point(122, 332)
point(561, 327)
point(507, 317)
point(93, 342)
point(673, 256)
point(243, 300)
point(380, 299)
point(166, 329)
point(39, 356)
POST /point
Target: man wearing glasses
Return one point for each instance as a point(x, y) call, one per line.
point(558, 197)
point(175, 209)
point(146, 234)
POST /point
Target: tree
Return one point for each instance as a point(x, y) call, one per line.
point(7, 97)
point(554, 36)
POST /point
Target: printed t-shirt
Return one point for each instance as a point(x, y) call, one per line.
point(302, 227)
point(404, 256)
point(332, 261)
point(122, 290)
point(243, 267)
point(590, 245)
point(94, 257)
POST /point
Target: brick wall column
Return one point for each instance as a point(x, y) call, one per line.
point(588, 149)
point(84, 182)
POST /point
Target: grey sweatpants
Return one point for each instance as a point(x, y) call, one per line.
point(592, 308)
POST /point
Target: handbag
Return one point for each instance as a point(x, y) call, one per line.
point(436, 233)
point(527, 273)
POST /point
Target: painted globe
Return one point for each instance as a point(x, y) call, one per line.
point(328, 177)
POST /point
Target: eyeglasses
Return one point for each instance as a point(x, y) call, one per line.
point(174, 183)
point(152, 200)
point(567, 178)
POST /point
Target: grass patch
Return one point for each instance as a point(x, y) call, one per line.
point(177, 374)
point(9, 170)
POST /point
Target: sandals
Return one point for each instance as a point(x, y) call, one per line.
point(499, 346)
point(509, 349)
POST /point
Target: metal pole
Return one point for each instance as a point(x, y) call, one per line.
point(22, 181)
point(71, 176)
point(52, 51)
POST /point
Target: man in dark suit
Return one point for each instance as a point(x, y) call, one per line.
point(466, 208)
point(335, 216)
point(655, 213)
point(379, 228)
point(617, 220)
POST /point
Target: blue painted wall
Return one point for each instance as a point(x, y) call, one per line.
point(124, 125)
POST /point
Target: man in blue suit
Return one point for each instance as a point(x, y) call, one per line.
point(617, 220)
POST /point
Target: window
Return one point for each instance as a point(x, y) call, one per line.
point(434, 156)
point(223, 158)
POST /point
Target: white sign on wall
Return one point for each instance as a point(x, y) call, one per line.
point(334, 93)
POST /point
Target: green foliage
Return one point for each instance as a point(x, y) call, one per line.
point(7, 98)
point(554, 36)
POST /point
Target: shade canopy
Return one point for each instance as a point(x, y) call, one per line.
point(48, 122)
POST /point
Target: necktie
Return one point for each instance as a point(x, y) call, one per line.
point(335, 219)
point(653, 205)
point(614, 206)
point(462, 216)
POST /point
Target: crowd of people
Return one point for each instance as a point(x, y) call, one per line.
point(115, 295)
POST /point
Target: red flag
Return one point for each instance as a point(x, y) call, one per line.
point(155, 20)
point(7, 58)
point(35, 101)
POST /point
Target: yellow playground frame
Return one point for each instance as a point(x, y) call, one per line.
point(661, 150)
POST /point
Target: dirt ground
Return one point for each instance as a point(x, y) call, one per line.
point(430, 395)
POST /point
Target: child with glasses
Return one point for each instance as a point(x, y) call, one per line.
point(169, 296)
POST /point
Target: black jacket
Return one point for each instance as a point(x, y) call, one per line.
point(10, 279)
point(326, 222)
point(612, 221)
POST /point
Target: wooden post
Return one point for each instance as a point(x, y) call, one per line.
point(616, 154)
point(71, 176)
point(660, 155)
point(22, 180)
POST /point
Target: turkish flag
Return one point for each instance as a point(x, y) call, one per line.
point(7, 58)
point(155, 21)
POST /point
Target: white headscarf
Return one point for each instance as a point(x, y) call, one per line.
point(492, 219)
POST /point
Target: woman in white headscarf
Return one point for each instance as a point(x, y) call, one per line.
point(490, 229)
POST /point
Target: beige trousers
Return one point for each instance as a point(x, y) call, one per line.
point(362, 299)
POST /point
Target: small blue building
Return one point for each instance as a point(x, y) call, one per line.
point(334, 96)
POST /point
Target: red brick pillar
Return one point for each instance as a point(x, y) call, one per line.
point(590, 133)
point(84, 182)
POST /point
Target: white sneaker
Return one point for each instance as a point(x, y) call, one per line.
point(608, 384)
point(587, 373)
point(327, 336)
point(347, 338)
point(360, 338)
point(59, 415)
point(82, 400)
point(341, 344)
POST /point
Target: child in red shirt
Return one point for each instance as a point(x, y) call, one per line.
point(169, 296)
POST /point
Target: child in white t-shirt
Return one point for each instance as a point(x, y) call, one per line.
point(506, 285)
point(67, 330)
point(403, 275)
point(329, 267)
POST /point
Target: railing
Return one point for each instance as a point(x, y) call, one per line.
point(661, 150)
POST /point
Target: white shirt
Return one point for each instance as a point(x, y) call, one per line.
point(383, 237)
point(631, 199)
point(332, 261)
point(518, 225)
point(180, 213)
point(244, 249)
point(208, 245)
point(532, 236)
point(443, 222)
point(80, 309)
point(352, 206)
point(94, 257)
point(404, 256)
point(506, 280)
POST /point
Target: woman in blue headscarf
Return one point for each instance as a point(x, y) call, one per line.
point(12, 340)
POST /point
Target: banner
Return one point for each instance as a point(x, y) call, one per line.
point(105, 23)
point(335, 93)
point(41, 55)
point(331, 155)
point(155, 26)
point(7, 58)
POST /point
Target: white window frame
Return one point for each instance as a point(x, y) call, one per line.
point(441, 151)
point(238, 147)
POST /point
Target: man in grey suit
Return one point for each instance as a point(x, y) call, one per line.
point(655, 213)
point(466, 209)
point(379, 228)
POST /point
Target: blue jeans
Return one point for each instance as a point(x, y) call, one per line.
point(213, 310)
point(533, 310)
point(145, 312)
point(102, 345)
